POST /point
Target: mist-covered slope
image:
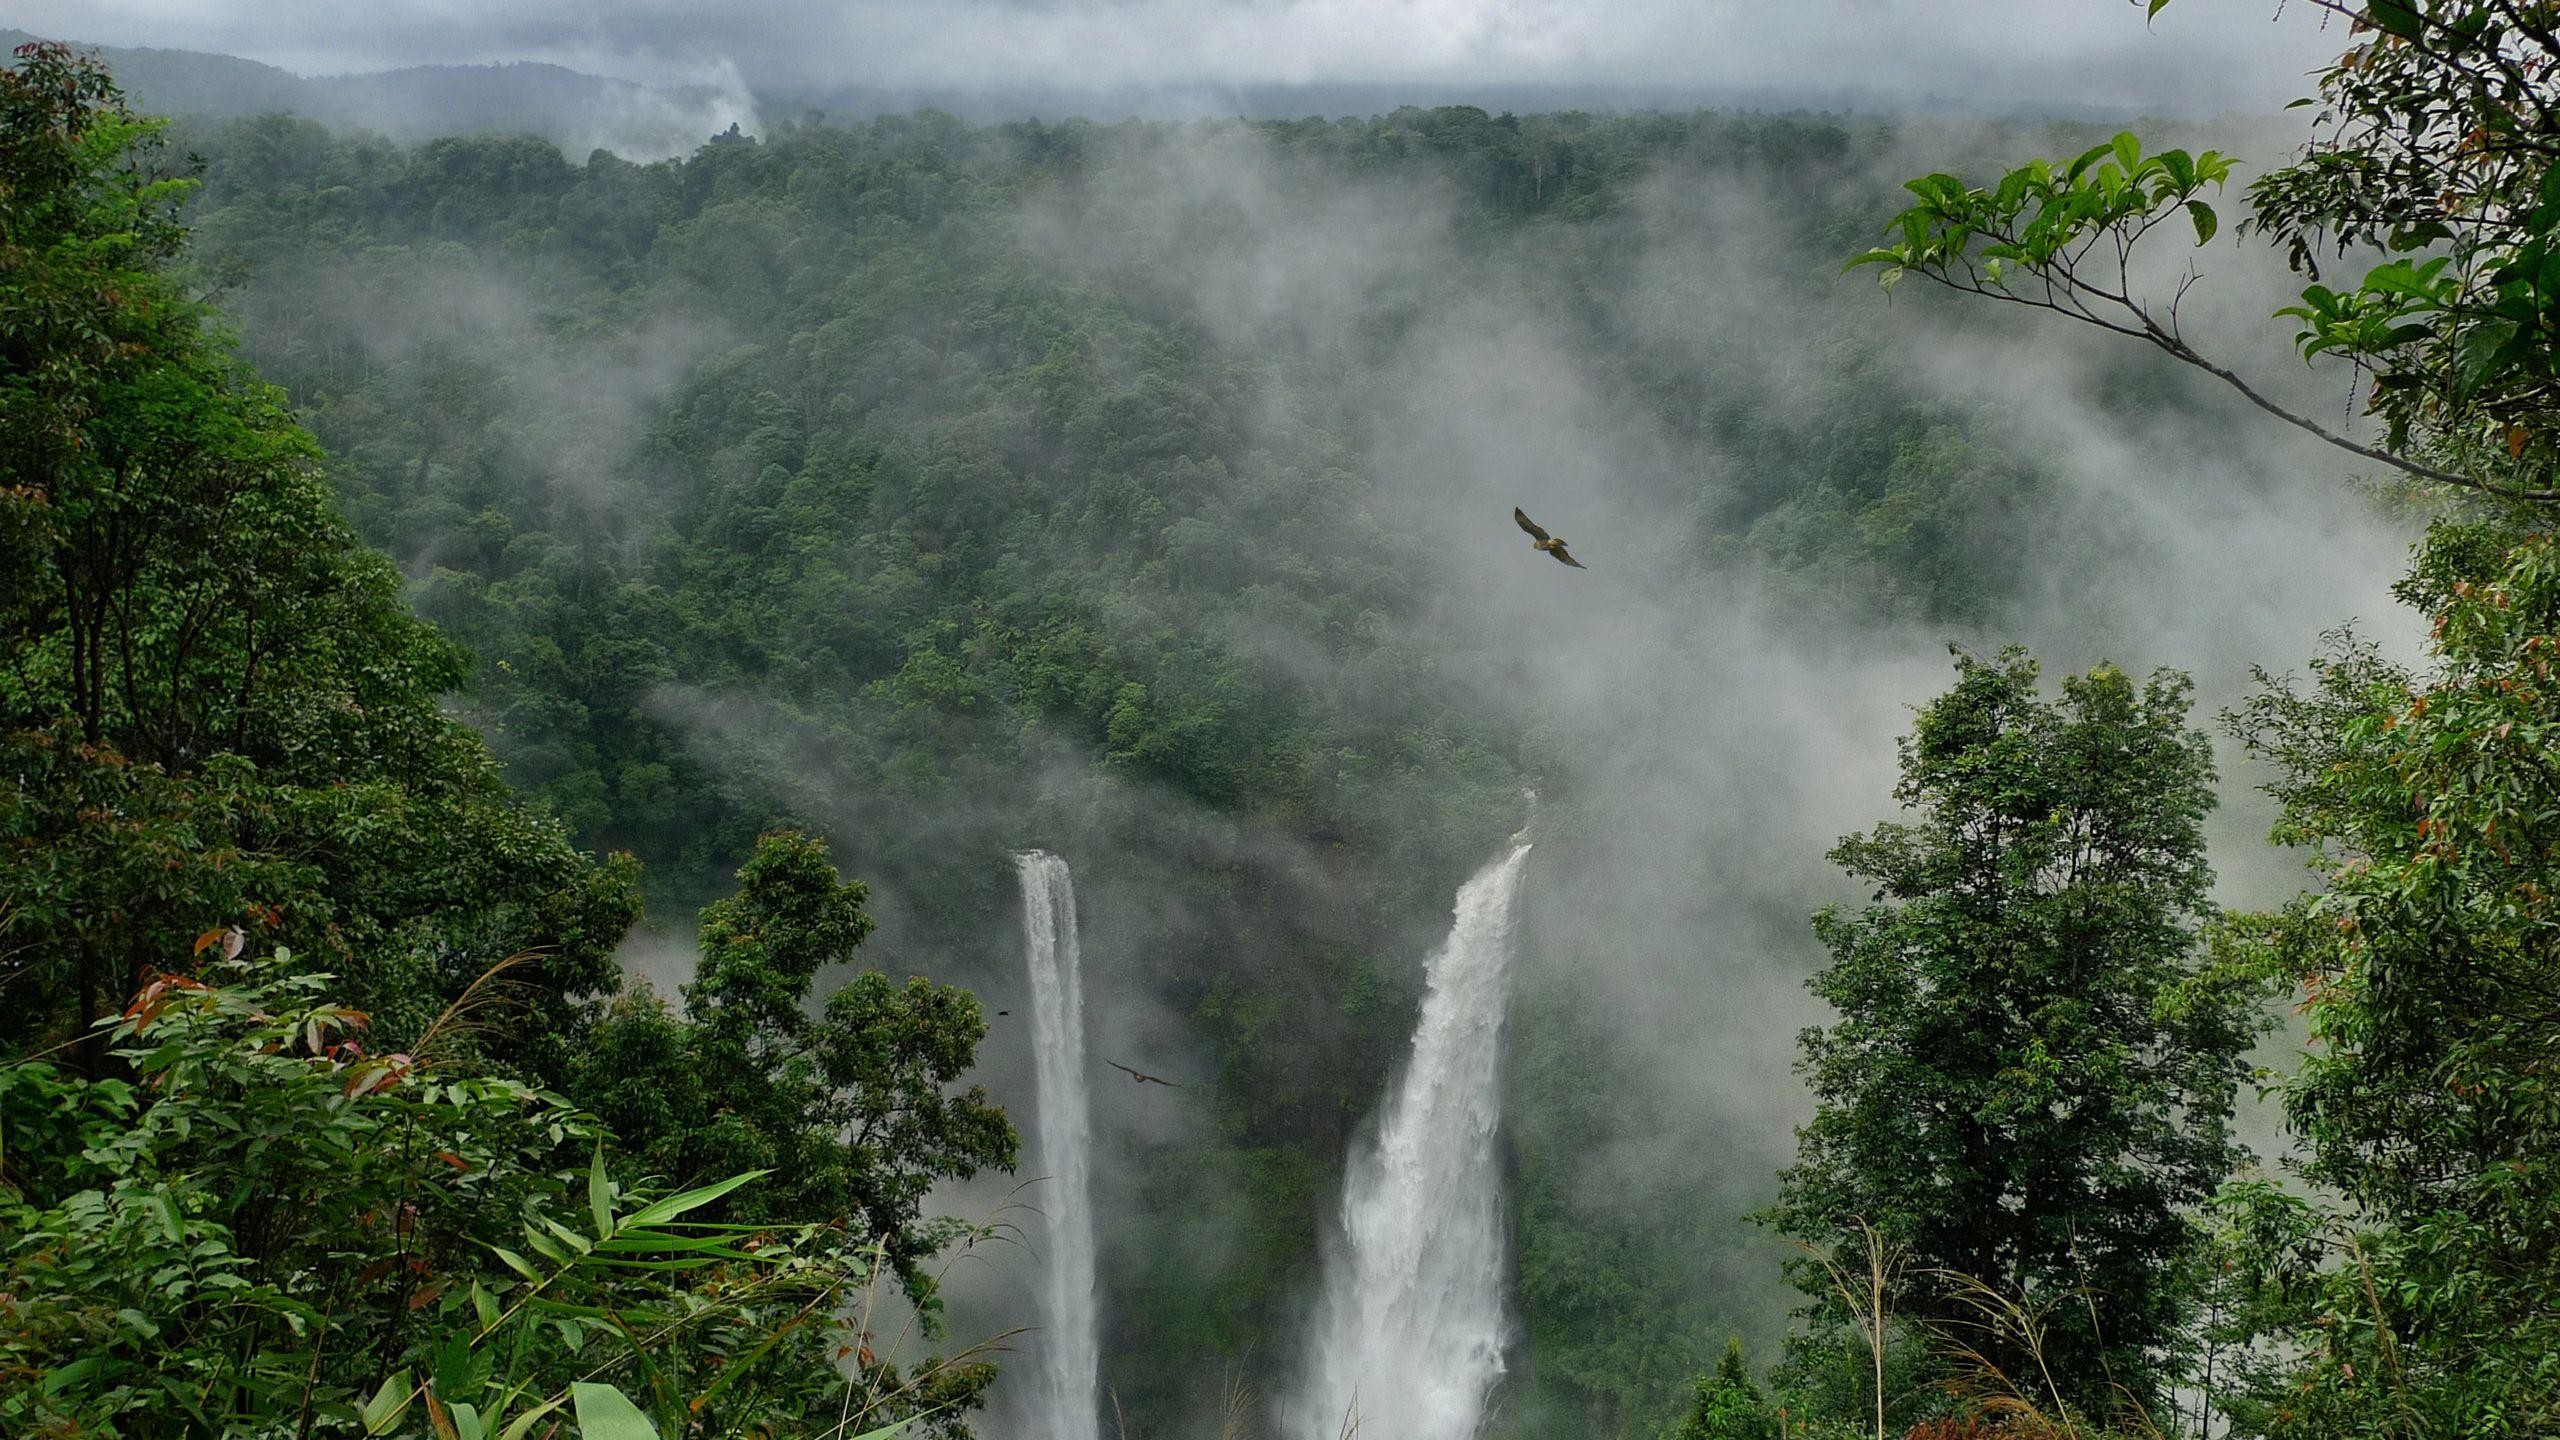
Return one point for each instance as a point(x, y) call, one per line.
point(575, 111)
point(1143, 493)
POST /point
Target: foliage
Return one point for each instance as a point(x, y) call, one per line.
point(2427, 1107)
point(217, 707)
point(2409, 1299)
point(1728, 1405)
point(1606, 1280)
point(804, 478)
point(850, 1109)
point(2430, 145)
point(2031, 1077)
point(814, 476)
point(270, 1230)
point(212, 699)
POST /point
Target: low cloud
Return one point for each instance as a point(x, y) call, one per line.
point(2194, 56)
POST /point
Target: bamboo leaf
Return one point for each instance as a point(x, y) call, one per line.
point(383, 1411)
point(605, 1413)
point(517, 1429)
point(675, 1205)
point(600, 1196)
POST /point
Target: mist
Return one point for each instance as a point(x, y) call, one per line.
point(1937, 54)
point(1702, 734)
point(1705, 710)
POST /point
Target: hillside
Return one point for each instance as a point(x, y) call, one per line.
point(576, 112)
point(961, 489)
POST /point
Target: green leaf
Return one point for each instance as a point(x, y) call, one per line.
point(600, 1196)
point(605, 1413)
point(2156, 7)
point(571, 1238)
point(459, 1370)
point(2396, 17)
point(516, 1262)
point(2206, 221)
point(55, 1381)
point(167, 1210)
point(522, 1424)
point(484, 1305)
point(383, 1411)
point(2127, 147)
point(675, 1205)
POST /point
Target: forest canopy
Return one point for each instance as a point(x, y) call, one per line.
point(471, 611)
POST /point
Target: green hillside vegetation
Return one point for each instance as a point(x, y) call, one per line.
point(804, 479)
point(295, 982)
point(392, 531)
point(419, 102)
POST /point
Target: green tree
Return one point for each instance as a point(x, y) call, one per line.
point(853, 1107)
point(1728, 1405)
point(213, 704)
point(2428, 1105)
point(2028, 1083)
point(2418, 1304)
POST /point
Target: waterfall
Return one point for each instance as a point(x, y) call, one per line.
point(1067, 1407)
point(1410, 1331)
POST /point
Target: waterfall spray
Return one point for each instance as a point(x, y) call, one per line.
point(1411, 1329)
point(1067, 1408)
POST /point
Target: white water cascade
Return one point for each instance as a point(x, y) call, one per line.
point(1411, 1328)
point(1067, 1407)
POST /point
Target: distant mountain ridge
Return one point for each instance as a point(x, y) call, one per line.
point(576, 111)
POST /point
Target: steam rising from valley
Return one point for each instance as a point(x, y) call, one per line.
point(1702, 722)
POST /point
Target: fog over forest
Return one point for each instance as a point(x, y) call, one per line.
point(900, 437)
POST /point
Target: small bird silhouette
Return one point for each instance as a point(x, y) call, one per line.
point(1539, 539)
point(1140, 1076)
point(1004, 1012)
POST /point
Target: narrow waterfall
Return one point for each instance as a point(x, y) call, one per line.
point(1411, 1329)
point(1067, 1407)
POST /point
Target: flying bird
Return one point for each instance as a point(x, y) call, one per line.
point(1540, 540)
point(1141, 1077)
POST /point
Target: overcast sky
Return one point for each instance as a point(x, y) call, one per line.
point(2198, 55)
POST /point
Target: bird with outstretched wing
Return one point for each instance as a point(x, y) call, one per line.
point(1140, 1076)
point(1540, 540)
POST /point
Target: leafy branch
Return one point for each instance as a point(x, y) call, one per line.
point(2062, 238)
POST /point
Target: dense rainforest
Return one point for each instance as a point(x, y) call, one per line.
point(441, 572)
point(875, 478)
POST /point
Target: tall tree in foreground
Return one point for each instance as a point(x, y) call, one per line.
point(2028, 1084)
point(2430, 961)
point(853, 1108)
point(2422, 1305)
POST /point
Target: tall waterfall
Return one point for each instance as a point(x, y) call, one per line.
point(1067, 1407)
point(1410, 1332)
